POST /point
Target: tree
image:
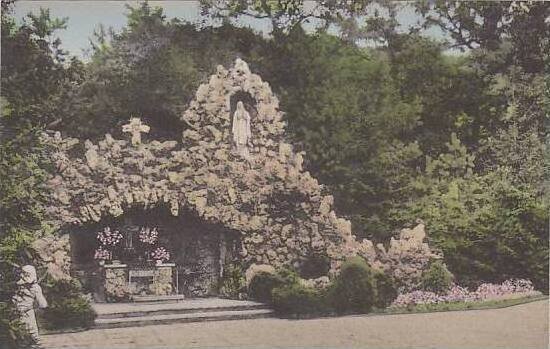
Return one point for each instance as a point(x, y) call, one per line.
point(35, 78)
point(508, 50)
point(35, 82)
point(490, 25)
point(150, 70)
point(285, 15)
point(487, 228)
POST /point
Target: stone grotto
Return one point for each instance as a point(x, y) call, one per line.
point(231, 190)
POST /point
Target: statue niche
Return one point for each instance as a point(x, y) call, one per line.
point(242, 113)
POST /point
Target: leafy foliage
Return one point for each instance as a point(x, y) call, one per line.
point(35, 81)
point(354, 289)
point(298, 301)
point(233, 282)
point(284, 14)
point(13, 332)
point(490, 25)
point(386, 290)
point(262, 285)
point(437, 278)
point(497, 229)
point(67, 307)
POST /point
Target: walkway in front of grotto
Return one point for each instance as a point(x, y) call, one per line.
point(521, 326)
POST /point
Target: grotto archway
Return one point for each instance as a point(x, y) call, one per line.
point(199, 249)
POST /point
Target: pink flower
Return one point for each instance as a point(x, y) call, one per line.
point(508, 289)
point(102, 254)
point(160, 253)
point(148, 236)
point(108, 237)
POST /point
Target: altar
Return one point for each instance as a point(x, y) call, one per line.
point(152, 253)
point(122, 281)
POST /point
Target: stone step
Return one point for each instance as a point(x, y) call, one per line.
point(194, 308)
point(158, 299)
point(182, 317)
point(171, 308)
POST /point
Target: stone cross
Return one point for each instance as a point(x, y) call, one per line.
point(135, 127)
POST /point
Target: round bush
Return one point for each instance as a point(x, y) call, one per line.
point(262, 284)
point(298, 301)
point(67, 306)
point(437, 278)
point(386, 290)
point(288, 275)
point(354, 290)
point(233, 283)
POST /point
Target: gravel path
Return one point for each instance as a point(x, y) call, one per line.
point(521, 326)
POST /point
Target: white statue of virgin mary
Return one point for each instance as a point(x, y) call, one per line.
point(241, 129)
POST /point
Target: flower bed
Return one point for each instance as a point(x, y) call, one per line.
point(509, 289)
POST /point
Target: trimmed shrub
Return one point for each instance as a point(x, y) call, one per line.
point(288, 275)
point(262, 285)
point(437, 278)
point(67, 306)
point(298, 301)
point(233, 283)
point(386, 290)
point(354, 289)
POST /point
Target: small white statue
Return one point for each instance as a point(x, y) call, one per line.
point(241, 129)
point(27, 295)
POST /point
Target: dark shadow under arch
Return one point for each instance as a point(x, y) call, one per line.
point(248, 101)
point(195, 245)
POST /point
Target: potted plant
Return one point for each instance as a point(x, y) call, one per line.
point(160, 255)
point(101, 255)
point(108, 239)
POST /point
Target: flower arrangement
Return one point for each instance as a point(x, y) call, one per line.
point(512, 288)
point(102, 254)
point(160, 254)
point(108, 237)
point(148, 235)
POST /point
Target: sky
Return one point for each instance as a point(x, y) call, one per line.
point(85, 16)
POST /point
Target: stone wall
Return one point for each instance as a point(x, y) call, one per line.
point(115, 285)
point(118, 286)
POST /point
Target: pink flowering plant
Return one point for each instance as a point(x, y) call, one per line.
point(102, 254)
point(148, 236)
point(160, 254)
point(107, 237)
point(509, 289)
